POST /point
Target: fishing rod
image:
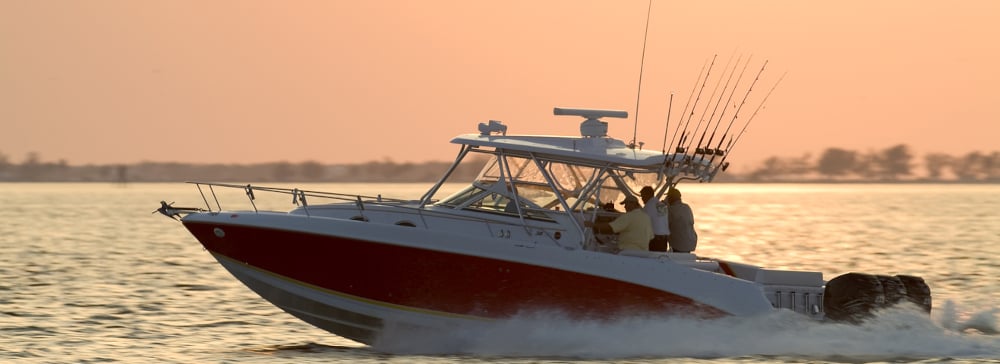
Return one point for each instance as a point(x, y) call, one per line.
point(762, 101)
point(698, 147)
point(722, 116)
point(666, 128)
point(732, 142)
point(663, 148)
point(708, 146)
point(737, 112)
point(642, 61)
point(701, 119)
point(685, 162)
point(745, 97)
point(718, 151)
point(694, 107)
point(688, 103)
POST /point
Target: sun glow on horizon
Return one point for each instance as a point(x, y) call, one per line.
point(349, 82)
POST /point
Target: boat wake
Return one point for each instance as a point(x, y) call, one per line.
point(899, 333)
point(984, 322)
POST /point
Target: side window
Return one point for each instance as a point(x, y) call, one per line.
point(461, 197)
point(500, 204)
point(494, 202)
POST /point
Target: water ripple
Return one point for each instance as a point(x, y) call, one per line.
point(127, 286)
point(196, 287)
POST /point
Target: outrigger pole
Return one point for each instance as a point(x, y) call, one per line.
point(642, 61)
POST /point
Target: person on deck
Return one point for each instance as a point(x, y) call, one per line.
point(633, 227)
point(657, 212)
point(683, 238)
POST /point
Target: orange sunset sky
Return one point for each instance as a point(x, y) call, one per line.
point(356, 81)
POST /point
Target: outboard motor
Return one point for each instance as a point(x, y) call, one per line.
point(917, 291)
point(893, 289)
point(854, 297)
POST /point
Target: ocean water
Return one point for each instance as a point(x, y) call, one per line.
point(89, 274)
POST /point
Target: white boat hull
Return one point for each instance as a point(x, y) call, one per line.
point(401, 277)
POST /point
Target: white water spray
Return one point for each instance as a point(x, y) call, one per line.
point(904, 332)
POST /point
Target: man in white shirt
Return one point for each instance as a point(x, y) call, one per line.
point(657, 212)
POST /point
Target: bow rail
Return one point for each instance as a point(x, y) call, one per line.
point(210, 195)
point(300, 197)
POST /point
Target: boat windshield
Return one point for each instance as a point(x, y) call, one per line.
point(543, 185)
point(504, 180)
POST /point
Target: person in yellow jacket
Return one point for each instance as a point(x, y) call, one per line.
point(634, 228)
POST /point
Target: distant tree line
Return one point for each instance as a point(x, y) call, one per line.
point(893, 164)
point(33, 169)
point(896, 163)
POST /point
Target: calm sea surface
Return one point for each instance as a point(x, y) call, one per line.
point(88, 274)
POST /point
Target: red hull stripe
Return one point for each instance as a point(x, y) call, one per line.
point(436, 281)
point(344, 295)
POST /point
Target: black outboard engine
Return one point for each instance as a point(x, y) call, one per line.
point(854, 297)
point(917, 291)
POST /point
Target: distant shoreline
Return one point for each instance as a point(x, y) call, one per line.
point(892, 165)
point(429, 183)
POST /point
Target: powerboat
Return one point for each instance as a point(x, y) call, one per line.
point(513, 241)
